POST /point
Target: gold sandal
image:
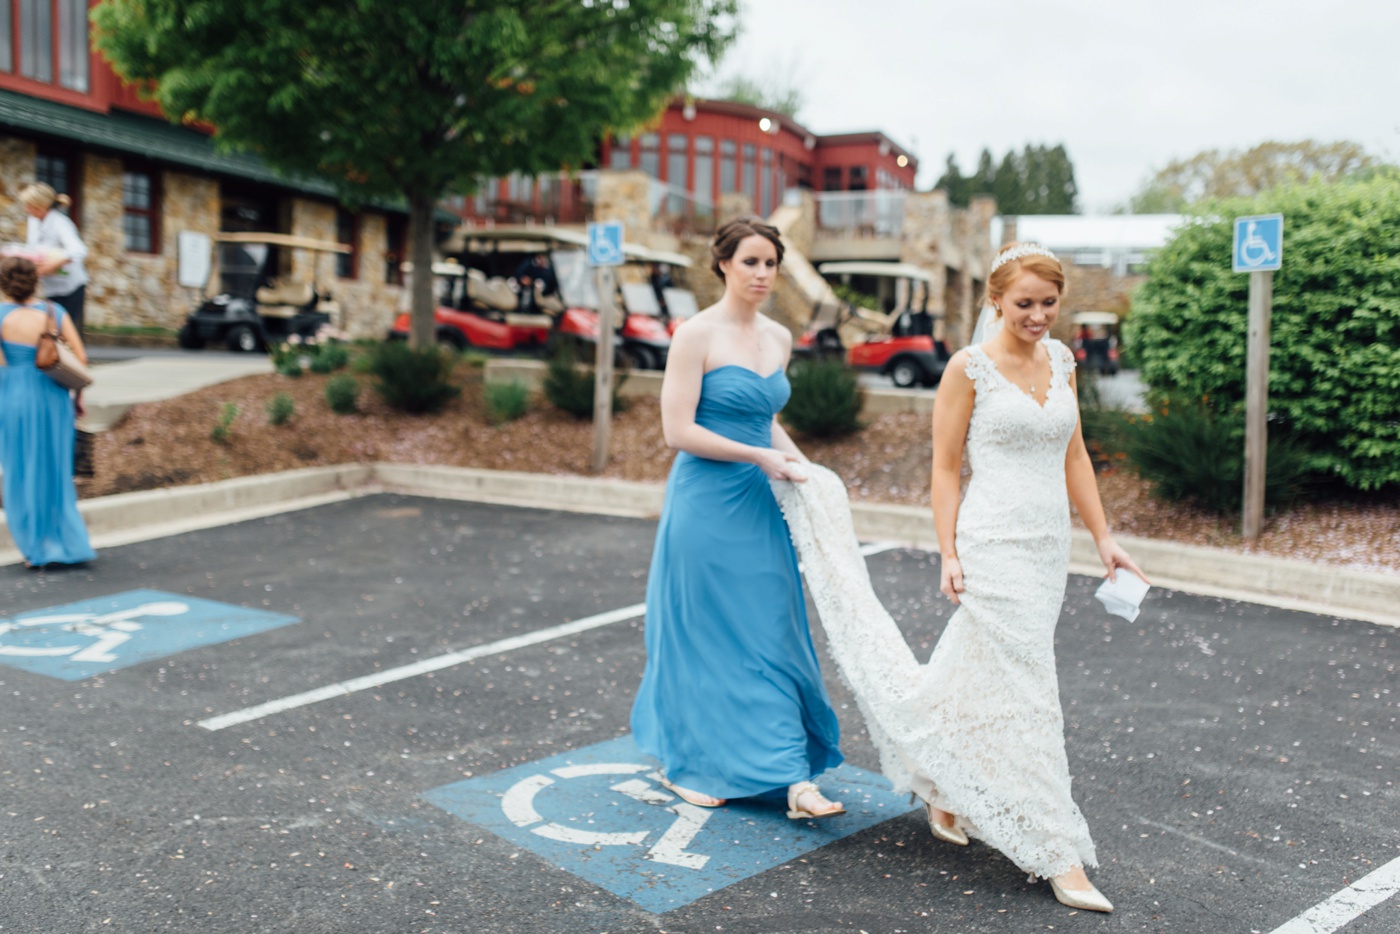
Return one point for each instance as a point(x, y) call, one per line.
point(697, 798)
point(802, 788)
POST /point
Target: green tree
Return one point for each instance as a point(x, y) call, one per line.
point(1244, 173)
point(1037, 180)
point(1334, 368)
point(413, 98)
point(952, 181)
point(785, 99)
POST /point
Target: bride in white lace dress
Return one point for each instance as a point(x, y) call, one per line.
point(1010, 404)
point(978, 732)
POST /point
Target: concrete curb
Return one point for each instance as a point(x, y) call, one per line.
point(131, 517)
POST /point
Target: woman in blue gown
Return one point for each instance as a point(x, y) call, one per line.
point(732, 701)
point(36, 429)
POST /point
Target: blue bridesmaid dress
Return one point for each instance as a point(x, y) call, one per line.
point(732, 701)
point(36, 451)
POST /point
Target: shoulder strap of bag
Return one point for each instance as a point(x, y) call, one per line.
point(53, 318)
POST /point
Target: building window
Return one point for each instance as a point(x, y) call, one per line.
point(347, 232)
point(621, 155)
point(858, 181)
point(486, 197)
point(651, 154)
point(765, 184)
point(676, 145)
point(395, 241)
point(750, 172)
point(59, 171)
point(831, 178)
point(38, 40)
point(140, 211)
point(704, 175)
point(728, 177)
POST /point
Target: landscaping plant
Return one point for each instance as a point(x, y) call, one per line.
point(826, 399)
point(281, 409)
point(223, 428)
point(1334, 366)
point(342, 394)
point(569, 386)
point(505, 402)
point(412, 380)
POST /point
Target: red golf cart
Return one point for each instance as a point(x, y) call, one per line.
point(899, 343)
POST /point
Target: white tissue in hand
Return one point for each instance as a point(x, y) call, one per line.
point(1123, 597)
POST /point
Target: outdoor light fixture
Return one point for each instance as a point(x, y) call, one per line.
point(765, 125)
point(688, 111)
point(902, 161)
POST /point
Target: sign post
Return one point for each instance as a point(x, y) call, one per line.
point(1258, 251)
point(604, 252)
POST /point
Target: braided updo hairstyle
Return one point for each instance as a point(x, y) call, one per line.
point(18, 278)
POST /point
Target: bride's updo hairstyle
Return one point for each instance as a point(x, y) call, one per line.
point(728, 237)
point(1016, 258)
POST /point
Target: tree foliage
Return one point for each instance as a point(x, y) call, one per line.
point(417, 98)
point(779, 97)
point(1245, 173)
point(1334, 368)
point(1036, 180)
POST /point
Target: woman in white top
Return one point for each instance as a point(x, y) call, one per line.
point(62, 278)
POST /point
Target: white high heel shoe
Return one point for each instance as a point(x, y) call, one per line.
point(944, 832)
point(1090, 899)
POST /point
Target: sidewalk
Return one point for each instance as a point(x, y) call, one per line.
point(117, 387)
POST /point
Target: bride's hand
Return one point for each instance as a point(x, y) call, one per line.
point(950, 578)
point(1114, 557)
point(779, 465)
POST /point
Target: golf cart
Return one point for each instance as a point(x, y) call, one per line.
point(898, 344)
point(659, 297)
point(1096, 341)
point(480, 301)
point(254, 307)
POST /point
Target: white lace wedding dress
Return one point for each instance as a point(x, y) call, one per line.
point(978, 731)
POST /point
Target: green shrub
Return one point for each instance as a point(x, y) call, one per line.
point(1101, 425)
point(290, 368)
point(826, 399)
point(223, 428)
point(569, 386)
point(1334, 364)
point(342, 394)
point(414, 380)
point(329, 357)
point(505, 402)
point(475, 359)
point(1191, 453)
point(281, 409)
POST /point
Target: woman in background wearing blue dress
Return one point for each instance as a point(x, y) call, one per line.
point(732, 701)
point(36, 428)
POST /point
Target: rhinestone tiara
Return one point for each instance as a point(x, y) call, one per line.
point(1019, 252)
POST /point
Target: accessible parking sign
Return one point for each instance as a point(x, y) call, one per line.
point(78, 640)
point(602, 814)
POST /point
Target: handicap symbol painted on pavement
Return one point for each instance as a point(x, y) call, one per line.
point(602, 814)
point(79, 640)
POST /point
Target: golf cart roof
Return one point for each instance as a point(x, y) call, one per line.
point(868, 268)
point(534, 234)
point(1095, 318)
point(439, 269)
point(287, 240)
point(646, 254)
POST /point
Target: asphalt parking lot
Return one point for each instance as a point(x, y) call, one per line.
point(374, 716)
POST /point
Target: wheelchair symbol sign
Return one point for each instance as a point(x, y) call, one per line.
point(601, 813)
point(79, 640)
point(1258, 243)
point(605, 243)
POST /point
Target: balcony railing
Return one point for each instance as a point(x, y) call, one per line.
point(874, 214)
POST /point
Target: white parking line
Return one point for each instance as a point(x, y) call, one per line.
point(1348, 904)
point(438, 662)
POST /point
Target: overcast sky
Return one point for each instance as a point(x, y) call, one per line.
point(1126, 85)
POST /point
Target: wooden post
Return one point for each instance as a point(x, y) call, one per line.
point(603, 367)
point(1256, 405)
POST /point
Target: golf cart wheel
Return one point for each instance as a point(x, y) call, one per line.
point(642, 358)
point(188, 337)
point(906, 374)
point(451, 337)
point(242, 338)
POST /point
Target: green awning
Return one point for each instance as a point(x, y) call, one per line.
point(160, 141)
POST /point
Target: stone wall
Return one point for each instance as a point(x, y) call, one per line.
point(16, 171)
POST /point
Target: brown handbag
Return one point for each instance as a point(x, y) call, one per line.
point(56, 360)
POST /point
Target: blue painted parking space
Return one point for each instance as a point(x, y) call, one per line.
point(90, 637)
point(602, 814)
